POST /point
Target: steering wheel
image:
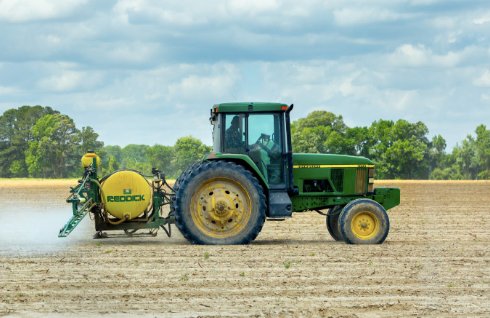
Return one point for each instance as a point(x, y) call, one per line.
point(260, 145)
point(262, 137)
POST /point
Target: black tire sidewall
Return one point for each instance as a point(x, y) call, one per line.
point(332, 221)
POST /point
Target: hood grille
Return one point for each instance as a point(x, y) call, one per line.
point(361, 180)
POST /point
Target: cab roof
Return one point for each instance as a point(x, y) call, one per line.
point(242, 107)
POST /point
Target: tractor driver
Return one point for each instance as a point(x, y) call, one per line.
point(233, 136)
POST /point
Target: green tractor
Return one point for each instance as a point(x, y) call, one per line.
point(250, 176)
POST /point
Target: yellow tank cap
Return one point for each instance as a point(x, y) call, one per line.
point(88, 158)
point(126, 194)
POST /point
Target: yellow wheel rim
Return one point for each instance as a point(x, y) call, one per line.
point(221, 208)
point(365, 225)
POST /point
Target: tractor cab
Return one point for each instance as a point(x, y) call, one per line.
point(259, 131)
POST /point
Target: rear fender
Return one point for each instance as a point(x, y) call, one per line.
point(243, 160)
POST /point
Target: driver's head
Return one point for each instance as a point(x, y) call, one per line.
point(235, 121)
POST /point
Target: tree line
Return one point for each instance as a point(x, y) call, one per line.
point(37, 141)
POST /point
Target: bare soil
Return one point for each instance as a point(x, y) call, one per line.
point(435, 262)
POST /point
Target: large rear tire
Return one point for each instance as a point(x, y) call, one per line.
point(219, 202)
point(364, 221)
point(332, 221)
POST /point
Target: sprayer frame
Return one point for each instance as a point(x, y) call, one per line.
point(85, 197)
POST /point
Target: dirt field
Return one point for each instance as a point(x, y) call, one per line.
point(435, 262)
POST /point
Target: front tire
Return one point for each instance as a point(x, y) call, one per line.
point(332, 221)
point(219, 202)
point(364, 221)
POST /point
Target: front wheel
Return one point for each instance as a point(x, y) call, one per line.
point(364, 221)
point(333, 222)
point(219, 202)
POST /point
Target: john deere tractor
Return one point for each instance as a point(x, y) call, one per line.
point(250, 176)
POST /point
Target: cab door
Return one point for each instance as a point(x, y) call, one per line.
point(265, 136)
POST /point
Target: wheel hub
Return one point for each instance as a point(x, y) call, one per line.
point(221, 207)
point(365, 225)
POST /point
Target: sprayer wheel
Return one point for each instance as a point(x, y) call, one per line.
point(219, 202)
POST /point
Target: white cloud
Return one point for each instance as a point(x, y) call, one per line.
point(31, 10)
point(421, 56)
point(7, 90)
point(363, 15)
point(398, 100)
point(411, 55)
point(252, 7)
point(136, 52)
point(69, 80)
point(424, 2)
point(167, 13)
point(65, 81)
point(217, 84)
point(483, 80)
point(482, 19)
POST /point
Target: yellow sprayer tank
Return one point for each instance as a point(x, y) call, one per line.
point(126, 194)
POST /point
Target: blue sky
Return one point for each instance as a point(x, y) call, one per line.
point(147, 72)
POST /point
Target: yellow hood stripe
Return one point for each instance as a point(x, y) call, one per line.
point(332, 166)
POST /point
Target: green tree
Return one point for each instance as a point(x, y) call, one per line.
point(399, 148)
point(436, 154)
point(321, 132)
point(161, 157)
point(483, 151)
point(473, 156)
point(15, 135)
point(357, 141)
point(447, 171)
point(135, 157)
point(111, 157)
point(443, 166)
point(187, 150)
point(53, 150)
point(88, 140)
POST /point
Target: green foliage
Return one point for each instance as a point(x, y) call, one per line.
point(321, 132)
point(161, 157)
point(400, 149)
point(473, 156)
point(138, 157)
point(15, 135)
point(38, 141)
point(134, 157)
point(187, 150)
point(88, 140)
point(449, 173)
point(52, 153)
point(111, 157)
point(171, 160)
